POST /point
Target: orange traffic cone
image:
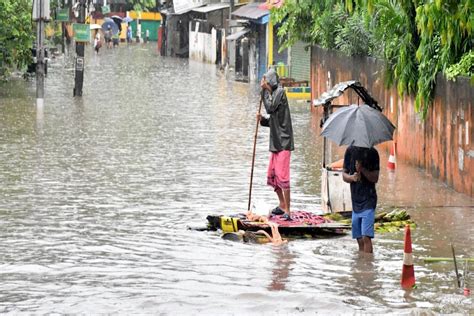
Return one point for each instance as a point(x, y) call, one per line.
point(408, 271)
point(391, 159)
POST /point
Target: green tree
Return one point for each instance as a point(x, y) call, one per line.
point(398, 46)
point(416, 38)
point(142, 5)
point(446, 35)
point(16, 37)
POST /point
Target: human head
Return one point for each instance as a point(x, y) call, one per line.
point(272, 78)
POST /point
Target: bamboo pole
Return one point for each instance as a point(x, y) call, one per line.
point(455, 266)
point(253, 156)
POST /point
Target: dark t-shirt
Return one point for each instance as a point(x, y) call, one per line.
point(364, 195)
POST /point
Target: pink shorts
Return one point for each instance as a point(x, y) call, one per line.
point(278, 175)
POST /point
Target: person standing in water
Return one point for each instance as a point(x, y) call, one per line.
point(278, 119)
point(361, 171)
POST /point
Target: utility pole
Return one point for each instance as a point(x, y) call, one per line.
point(229, 28)
point(40, 15)
point(63, 46)
point(79, 63)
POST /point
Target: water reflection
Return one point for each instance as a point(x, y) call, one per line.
point(364, 274)
point(282, 267)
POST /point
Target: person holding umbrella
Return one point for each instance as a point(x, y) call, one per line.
point(361, 128)
point(281, 140)
point(361, 171)
point(97, 42)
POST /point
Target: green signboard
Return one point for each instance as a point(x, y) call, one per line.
point(62, 15)
point(105, 9)
point(82, 32)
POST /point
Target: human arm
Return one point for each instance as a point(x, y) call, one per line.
point(349, 178)
point(346, 176)
point(271, 104)
point(370, 175)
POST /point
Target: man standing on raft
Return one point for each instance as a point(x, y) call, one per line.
point(281, 139)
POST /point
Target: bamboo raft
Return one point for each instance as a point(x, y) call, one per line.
point(302, 224)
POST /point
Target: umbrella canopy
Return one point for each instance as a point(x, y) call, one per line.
point(360, 126)
point(127, 19)
point(118, 21)
point(113, 26)
point(95, 27)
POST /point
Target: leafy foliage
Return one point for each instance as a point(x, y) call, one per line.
point(416, 38)
point(465, 67)
point(15, 34)
point(142, 5)
point(352, 37)
point(397, 46)
point(445, 29)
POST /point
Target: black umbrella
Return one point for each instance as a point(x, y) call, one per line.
point(360, 126)
point(118, 20)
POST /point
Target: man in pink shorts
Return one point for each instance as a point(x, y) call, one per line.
point(278, 119)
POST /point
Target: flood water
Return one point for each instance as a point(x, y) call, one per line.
point(97, 194)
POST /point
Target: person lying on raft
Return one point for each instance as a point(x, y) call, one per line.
point(276, 237)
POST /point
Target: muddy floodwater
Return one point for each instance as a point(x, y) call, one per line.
point(97, 194)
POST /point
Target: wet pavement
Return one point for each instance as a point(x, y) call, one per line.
point(98, 192)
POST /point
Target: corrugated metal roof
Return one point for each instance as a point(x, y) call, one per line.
point(211, 7)
point(251, 11)
point(237, 35)
point(182, 11)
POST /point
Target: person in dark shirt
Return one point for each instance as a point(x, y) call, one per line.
point(361, 170)
point(281, 139)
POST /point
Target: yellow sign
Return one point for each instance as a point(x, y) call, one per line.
point(156, 16)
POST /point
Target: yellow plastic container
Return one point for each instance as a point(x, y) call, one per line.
point(229, 224)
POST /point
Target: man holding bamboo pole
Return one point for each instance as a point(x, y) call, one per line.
point(278, 119)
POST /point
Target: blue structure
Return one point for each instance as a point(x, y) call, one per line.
point(257, 19)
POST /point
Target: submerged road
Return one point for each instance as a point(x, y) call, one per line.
point(97, 193)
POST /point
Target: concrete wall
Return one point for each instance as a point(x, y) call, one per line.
point(202, 46)
point(442, 143)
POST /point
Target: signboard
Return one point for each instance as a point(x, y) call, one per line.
point(105, 9)
point(62, 15)
point(82, 32)
point(80, 63)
